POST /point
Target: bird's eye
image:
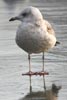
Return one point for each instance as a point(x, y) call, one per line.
point(24, 14)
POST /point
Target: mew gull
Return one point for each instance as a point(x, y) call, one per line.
point(34, 34)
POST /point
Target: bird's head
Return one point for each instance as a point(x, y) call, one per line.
point(29, 14)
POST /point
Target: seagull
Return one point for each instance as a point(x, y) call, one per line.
point(34, 34)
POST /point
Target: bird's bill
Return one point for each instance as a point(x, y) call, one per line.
point(14, 18)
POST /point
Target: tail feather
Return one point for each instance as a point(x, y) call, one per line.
point(57, 42)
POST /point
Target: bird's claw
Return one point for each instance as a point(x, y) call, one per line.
point(30, 73)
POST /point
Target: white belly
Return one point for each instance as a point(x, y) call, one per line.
point(34, 41)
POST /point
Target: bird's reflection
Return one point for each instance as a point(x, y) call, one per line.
point(47, 94)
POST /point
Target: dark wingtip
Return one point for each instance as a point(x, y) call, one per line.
point(57, 42)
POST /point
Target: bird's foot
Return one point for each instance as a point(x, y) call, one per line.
point(42, 73)
point(30, 73)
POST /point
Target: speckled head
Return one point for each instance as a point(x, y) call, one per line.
point(29, 14)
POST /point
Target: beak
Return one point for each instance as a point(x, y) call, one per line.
point(14, 18)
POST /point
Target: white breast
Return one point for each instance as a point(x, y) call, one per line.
point(34, 39)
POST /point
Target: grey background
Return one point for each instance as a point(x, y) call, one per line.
point(13, 60)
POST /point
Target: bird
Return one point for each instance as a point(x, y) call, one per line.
point(34, 34)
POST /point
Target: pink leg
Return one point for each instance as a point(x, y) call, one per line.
point(30, 73)
point(42, 73)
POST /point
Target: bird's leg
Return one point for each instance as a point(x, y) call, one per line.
point(43, 62)
point(29, 63)
point(30, 73)
point(42, 72)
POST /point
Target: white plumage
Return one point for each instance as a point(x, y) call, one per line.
point(34, 34)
